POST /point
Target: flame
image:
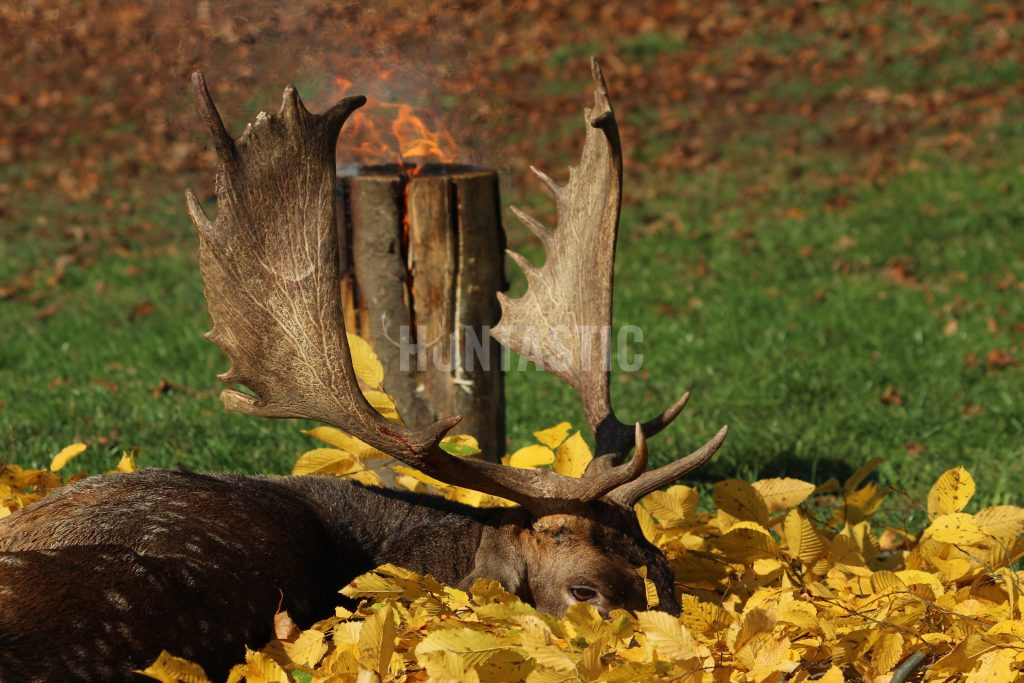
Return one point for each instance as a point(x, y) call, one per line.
point(389, 132)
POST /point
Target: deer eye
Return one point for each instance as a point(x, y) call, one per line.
point(583, 593)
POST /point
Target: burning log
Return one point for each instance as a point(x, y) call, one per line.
point(427, 242)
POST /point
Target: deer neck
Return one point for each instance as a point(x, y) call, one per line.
point(371, 526)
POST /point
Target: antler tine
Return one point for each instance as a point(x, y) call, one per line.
point(270, 267)
point(222, 140)
point(629, 493)
point(569, 300)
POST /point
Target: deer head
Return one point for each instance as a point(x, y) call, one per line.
point(269, 264)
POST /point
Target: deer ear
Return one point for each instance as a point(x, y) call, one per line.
point(500, 557)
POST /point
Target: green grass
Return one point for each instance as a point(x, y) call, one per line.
point(788, 320)
point(89, 371)
point(796, 330)
point(787, 328)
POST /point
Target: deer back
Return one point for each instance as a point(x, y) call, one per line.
point(128, 565)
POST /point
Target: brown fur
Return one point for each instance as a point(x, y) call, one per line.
point(101, 576)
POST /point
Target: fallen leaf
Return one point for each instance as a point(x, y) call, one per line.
point(284, 627)
point(998, 359)
point(142, 309)
point(891, 397)
point(65, 455)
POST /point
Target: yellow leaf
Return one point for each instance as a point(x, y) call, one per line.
point(673, 507)
point(799, 614)
point(951, 492)
point(462, 445)
point(649, 588)
point(345, 442)
point(1005, 522)
point(377, 640)
point(754, 622)
point(590, 666)
point(1011, 584)
point(127, 462)
point(916, 577)
point(803, 540)
point(741, 500)
point(887, 652)
point(65, 455)
point(325, 461)
point(383, 404)
point(308, 649)
point(366, 477)
point(573, 456)
point(746, 541)
point(365, 362)
point(587, 622)
point(833, 675)
point(957, 528)
point(492, 659)
point(449, 667)
point(766, 566)
point(260, 668)
point(540, 643)
point(170, 669)
point(702, 616)
point(531, 457)
point(883, 582)
point(996, 666)
point(782, 494)
point(670, 639)
point(553, 436)
point(857, 477)
point(647, 524)
point(384, 582)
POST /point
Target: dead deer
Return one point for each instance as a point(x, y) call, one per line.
point(98, 578)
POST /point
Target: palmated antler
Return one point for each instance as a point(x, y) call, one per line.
point(563, 321)
point(269, 263)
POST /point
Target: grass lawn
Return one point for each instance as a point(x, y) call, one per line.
point(827, 322)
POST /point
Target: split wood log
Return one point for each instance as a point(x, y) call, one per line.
point(422, 258)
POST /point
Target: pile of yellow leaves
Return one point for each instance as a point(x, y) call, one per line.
point(783, 580)
point(20, 486)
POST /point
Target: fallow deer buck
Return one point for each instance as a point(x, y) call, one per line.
point(98, 578)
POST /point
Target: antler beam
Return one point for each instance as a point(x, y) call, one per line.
point(269, 265)
point(568, 302)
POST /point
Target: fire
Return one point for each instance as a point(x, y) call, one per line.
point(390, 132)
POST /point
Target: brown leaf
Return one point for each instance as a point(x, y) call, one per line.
point(48, 311)
point(112, 387)
point(838, 202)
point(998, 359)
point(891, 397)
point(284, 627)
point(914, 447)
point(143, 308)
point(845, 242)
point(900, 272)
